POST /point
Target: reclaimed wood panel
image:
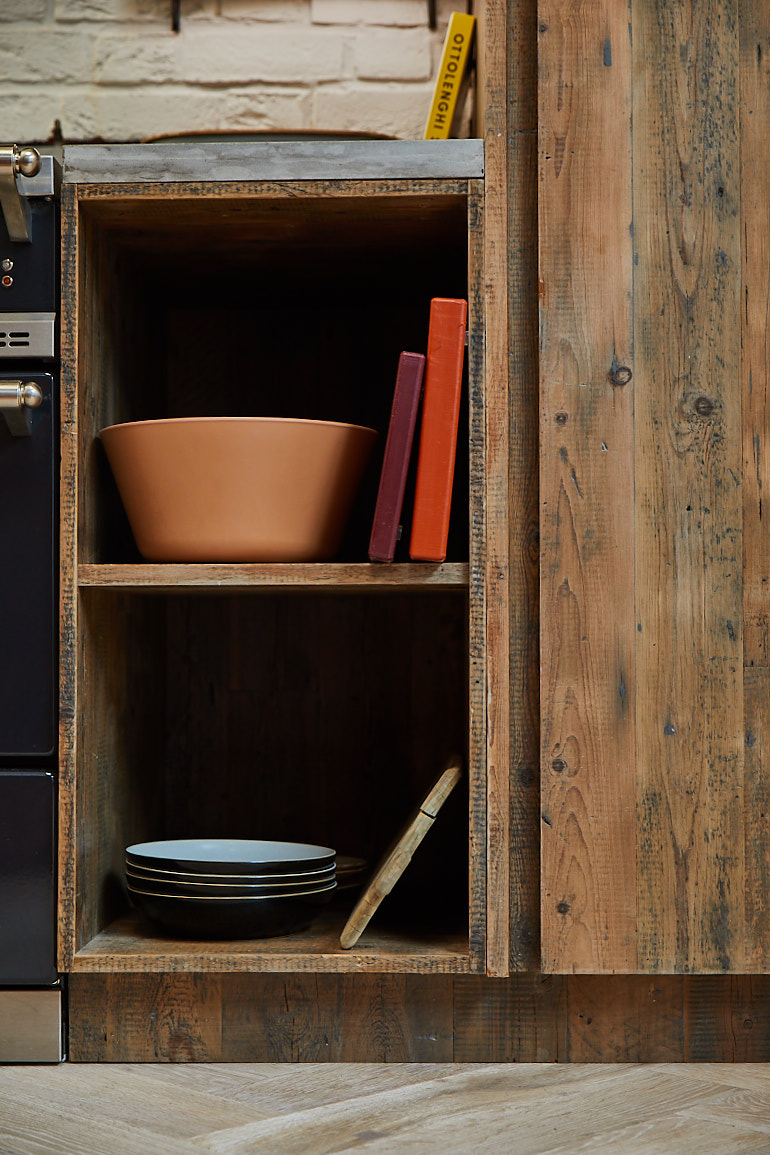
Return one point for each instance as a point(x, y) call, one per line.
point(222, 578)
point(526, 1018)
point(755, 311)
point(688, 465)
point(68, 623)
point(523, 511)
point(131, 945)
point(587, 495)
point(493, 561)
point(477, 653)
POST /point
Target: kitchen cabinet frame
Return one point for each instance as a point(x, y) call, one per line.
point(101, 612)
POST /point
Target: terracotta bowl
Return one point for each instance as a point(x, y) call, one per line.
point(238, 489)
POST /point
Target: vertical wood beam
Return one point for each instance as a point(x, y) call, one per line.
point(68, 626)
point(755, 315)
point(689, 670)
point(523, 484)
point(495, 534)
point(587, 495)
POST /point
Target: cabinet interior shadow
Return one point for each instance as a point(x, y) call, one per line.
point(313, 717)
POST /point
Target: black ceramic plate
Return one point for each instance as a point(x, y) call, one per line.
point(223, 919)
point(215, 890)
point(305, 877)
point(230, 856)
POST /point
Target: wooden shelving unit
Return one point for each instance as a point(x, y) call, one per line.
point(303, 701)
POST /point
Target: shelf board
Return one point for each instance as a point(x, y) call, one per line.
point(132, 944)
point(337, 577)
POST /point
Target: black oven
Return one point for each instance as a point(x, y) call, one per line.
point(30, 1026)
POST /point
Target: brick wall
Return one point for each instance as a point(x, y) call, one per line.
point(114, 70)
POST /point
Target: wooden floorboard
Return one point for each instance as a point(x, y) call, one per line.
point(317, 1109)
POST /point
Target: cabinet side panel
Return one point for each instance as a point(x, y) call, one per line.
point(689, 597)
point(497, 628)
point(68, 579)
point(477, 652)
point(586, 488)
point(523, 485)
point(755, 291)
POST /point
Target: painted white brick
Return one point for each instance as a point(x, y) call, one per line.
point(214, 55)
point(27, 116)
point(267, 53)
point(128, 59)
point(393, 110)
point(23, 11)
point(144, 11)
point(136, 114)
point(392, 13)
point(393, 54)
point(273, 11)
point(29, 56)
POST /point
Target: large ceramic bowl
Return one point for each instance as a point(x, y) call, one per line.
point(238, 489)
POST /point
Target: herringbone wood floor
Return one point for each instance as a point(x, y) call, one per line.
point(708, 1109)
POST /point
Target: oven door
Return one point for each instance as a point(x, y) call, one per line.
point(28, 474)
point(27, 878)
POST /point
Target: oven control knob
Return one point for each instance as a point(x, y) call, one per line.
point(28, 162)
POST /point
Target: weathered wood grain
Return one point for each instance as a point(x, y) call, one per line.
point(587, 495)
point(68, 624)
point(477, 650)
point(338, 577)
point(523, 511)
point(527, 1018)
point(496, 493)
point(131, 945)
point(620, 1016)
point(725, 1018)
point(755, 300)
point(688, 464)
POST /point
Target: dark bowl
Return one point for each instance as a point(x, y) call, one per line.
point(253, 918)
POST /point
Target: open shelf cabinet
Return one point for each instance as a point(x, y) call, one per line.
point(304, 702)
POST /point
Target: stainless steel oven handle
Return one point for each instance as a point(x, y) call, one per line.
point(16, 399)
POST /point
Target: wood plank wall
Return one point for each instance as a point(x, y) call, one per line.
point(528, 1018)
point(655, 565)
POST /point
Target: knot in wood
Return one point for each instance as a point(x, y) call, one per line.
point(620, 375)
point(704, 406)
point(562, 907)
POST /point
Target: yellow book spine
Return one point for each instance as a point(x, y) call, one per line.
point(451, 74)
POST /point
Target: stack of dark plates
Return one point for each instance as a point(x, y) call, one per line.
point(230, 888)
point(351, 872)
